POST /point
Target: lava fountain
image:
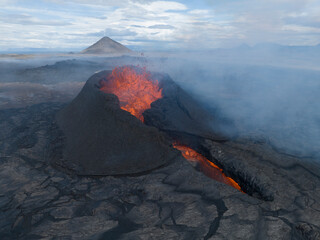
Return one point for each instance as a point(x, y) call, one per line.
point(135, 89)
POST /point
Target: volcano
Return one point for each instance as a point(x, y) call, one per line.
point(106, 134)
point(106, 46)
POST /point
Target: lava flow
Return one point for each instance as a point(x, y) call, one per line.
point(207, 167)
point(135, 89)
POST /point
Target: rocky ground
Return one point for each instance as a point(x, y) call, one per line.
point(17, 95)
point(173, 202)
point(177, 201)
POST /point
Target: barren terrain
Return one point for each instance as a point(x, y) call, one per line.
point(177, 201)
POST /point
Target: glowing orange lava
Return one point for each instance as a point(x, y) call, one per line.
point(135, 89)
point(207, 167)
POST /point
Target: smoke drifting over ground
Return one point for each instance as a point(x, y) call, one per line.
point(275, 99)
point(266, 95)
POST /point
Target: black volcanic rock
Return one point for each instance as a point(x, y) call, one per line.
point(178, 113)
point(106, 46)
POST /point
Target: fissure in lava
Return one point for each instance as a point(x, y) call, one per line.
point(207, 167)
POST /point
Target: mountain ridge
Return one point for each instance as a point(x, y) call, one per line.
point(106, 45)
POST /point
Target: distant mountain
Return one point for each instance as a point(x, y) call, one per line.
point(106, 46)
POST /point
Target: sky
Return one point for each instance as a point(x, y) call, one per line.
point(158, 25)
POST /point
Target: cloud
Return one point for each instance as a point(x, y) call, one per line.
point(161, 26)
point(269, 20)
point(113, 3)
point(308, 21)
point(51, 25)
point(220, 23)
point(113, 33)
point(251, 6)
point(162, 6)
point(25, 19)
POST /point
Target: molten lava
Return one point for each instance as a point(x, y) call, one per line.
point(207, 167)
point(135, 89)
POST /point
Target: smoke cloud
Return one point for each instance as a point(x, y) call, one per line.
point(268, 93)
